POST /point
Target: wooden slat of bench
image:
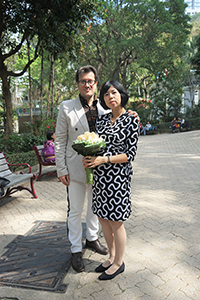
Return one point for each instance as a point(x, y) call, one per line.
point(40, 147)
point(40, 152)
point(5, 173)
point(4, 169)
point(42, 162)
point(2, 156)
point(16, 179)
point(3, 161)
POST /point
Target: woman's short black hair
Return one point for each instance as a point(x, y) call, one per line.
point(119, 87)
point(49, 134)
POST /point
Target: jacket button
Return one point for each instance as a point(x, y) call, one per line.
point(76, 129)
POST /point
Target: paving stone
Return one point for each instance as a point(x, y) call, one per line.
point(178, 296)
point(162, 254)
point(130, 294)
point(172, 286)
point(87, 290)
point(191, 291)
point(129, 281)
point(153, 293)
point(155, 280)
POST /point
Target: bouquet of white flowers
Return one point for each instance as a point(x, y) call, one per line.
point(88, 144)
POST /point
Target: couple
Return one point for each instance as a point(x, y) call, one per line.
point(111, 202)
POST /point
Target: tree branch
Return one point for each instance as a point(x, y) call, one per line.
point(11, 73)
point(17, 48)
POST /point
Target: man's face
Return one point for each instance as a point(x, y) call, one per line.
point(87, 90)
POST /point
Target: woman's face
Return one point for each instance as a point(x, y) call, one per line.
point(53, 136)
point(112, 98)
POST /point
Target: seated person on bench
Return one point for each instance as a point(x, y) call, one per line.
point(48, 150)
point(146, 128)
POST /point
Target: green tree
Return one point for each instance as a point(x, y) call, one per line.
point(166, 95)
point(127, 35)
point(64, 78)
point(54, 23)
point(195, 59)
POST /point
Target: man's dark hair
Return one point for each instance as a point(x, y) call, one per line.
point(119, 87)
point(85, 70)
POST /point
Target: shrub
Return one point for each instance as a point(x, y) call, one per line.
point(23, 157)
point(17, 143)
point(49, 124)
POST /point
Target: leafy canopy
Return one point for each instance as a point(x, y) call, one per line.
point(54, 22)
point(126, 34)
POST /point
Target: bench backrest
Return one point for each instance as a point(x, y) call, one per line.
point(4, 168)
point(40, 148)
point(38, 151)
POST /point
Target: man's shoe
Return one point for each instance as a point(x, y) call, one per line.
point(77, 262)
point(105, 276)
point(96, 246)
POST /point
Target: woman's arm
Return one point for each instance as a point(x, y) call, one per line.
point(94, 161)
point(130, 149)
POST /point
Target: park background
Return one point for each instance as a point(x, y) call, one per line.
point(152, 47)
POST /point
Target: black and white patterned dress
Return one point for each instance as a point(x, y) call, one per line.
point(111, 187)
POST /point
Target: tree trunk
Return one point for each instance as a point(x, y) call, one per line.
point(52, 85)
point(8, 102)
point(30, 87)
point(41, 88)
point(48, 95)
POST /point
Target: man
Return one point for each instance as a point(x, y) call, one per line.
point(76, 117)
point(173, 124)
point(146, 128)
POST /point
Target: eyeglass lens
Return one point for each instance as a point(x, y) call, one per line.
point(84, 82)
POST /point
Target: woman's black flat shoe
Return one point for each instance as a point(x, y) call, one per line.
point(101, 268)
point(105, 276)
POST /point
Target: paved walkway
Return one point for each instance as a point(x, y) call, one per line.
point(162, 255)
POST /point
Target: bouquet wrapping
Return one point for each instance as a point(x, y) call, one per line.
point(89, 144)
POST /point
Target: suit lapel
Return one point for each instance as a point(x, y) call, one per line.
point(80, 113)
point(101, 110)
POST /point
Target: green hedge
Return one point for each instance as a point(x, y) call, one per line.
point(17, 143)
point(164, 127)
point(23, 157)
point(17, 149)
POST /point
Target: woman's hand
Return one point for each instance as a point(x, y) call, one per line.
point(94, 161)
point(135, 114)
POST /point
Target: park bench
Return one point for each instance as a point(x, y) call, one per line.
point(42, 162)
point(185, 126)
point(16, 180)
point(152, 130)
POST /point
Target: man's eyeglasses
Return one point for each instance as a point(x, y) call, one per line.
point(84, 82)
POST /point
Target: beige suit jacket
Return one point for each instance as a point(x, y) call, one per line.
point(71, 122)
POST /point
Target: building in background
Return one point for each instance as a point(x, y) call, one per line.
point(191, 96)
point(193, 7)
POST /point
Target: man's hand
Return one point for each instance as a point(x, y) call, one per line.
point(134, 113)
point(65, 180)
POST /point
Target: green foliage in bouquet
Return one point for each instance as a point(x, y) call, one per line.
point(89, 144)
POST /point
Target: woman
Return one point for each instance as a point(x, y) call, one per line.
point(48, 150)
point(112, 174)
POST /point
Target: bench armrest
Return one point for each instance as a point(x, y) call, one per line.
point(22, 164)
